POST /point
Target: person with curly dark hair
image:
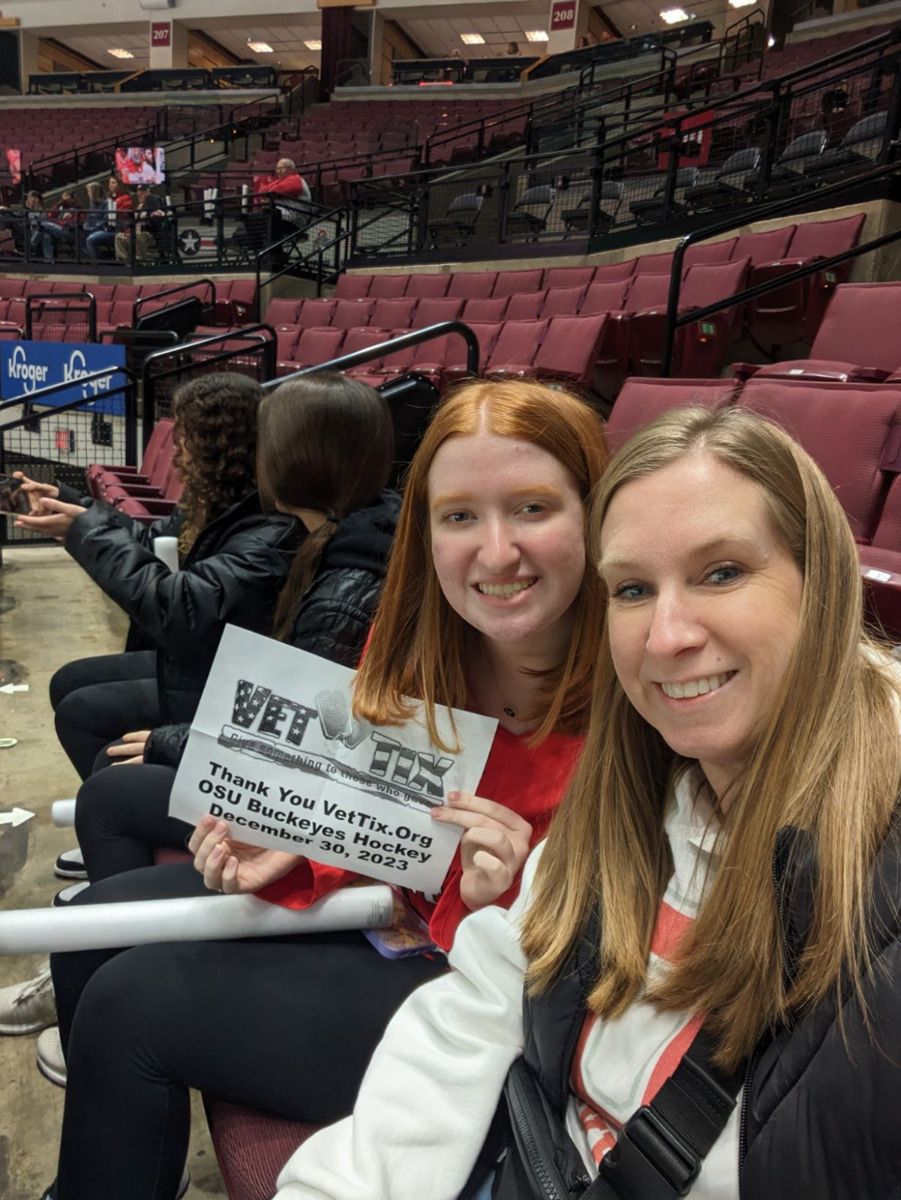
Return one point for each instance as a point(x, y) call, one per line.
point(233, 559)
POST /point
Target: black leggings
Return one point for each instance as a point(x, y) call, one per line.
point(96, 700)
point(283, 1024)
point(121, 817)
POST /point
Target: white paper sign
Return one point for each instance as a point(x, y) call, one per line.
point(275, 750)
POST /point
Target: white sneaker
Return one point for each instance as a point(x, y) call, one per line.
point(70, 865)
point(28, 1007)
point(66, 895)
point(51, 1063)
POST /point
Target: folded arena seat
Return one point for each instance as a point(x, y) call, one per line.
point(641, 399)
point(724, 186)
point(845, 427)
point(148, 509)
point(310, 348)
point(857, 339)
point(699, 349)
point(793, 313)
point(353, 287)
point(152, 472)
point(513, 283)
point(387, 287)
point(472, 284)
point(787, 173)
point(648, 209)
point(427, 287)
point(860, 147)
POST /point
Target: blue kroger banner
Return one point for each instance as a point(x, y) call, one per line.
point(27, 367)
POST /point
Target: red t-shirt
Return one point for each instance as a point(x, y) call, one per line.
point(529, 780)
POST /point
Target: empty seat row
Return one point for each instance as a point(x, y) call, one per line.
point(853, 430)
point(791, 314)
point(634, 334)
point(564, 349)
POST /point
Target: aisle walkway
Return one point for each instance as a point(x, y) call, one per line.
point(50, 613)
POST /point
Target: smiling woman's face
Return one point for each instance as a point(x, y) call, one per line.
point(704, 608)
point(508, 538)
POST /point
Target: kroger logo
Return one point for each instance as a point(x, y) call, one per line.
point(77, 368)
point(30, 375)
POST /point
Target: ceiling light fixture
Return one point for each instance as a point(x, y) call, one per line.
point(259, 47)
point(672, 16)
point(118, 52)
point(741, 3)
point(472, 39)
point(540, 35)
point(316, 44)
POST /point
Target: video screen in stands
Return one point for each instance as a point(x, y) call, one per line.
point(140, 164)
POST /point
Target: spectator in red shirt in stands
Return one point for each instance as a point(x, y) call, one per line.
point(289, 186)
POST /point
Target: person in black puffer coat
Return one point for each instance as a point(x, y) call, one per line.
point(306, 466)
point(234, 558)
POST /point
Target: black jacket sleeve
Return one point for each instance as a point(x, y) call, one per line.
point(178, 610)
point(166, 744)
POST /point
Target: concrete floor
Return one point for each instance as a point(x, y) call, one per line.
point(50, 613)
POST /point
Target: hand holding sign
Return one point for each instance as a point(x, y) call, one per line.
point(277, 756)
point(494, 847)
point(228, 866)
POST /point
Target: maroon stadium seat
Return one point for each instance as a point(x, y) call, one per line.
point(844, 427)
point(510, 283)
point(563, 301)
point(793, 313)
point(641, 399)
point(352, 287)
point(394, 313)
point(432, 309)
point(567, 277)
point(700, 349)
point(472, 283)
point(524, 306)
point(386, 287)
point(857, 338)
point(427, 286)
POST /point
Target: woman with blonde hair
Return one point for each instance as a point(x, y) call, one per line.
point(697, 991)
point(488, 604)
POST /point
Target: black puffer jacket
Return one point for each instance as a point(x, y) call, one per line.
point(821, 1101)
point(232, 574)
point(334, 615)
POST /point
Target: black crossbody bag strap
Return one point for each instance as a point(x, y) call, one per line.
point(661, 1147)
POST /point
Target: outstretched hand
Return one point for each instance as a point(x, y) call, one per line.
point(51, 518)
point(36, 491)
point(493, 849)
point(233, 867)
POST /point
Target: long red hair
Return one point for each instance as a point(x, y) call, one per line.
point(419, 644)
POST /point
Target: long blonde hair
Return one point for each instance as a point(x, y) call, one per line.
point(418, 644)
point(828, 763)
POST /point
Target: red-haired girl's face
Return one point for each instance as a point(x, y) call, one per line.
point(508, 539)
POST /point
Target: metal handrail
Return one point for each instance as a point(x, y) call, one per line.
point(356, 357)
